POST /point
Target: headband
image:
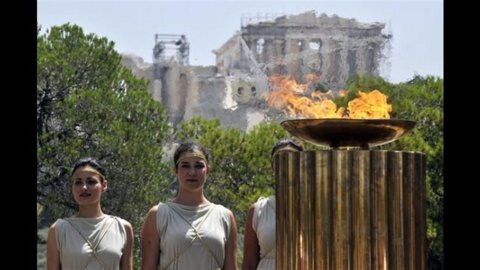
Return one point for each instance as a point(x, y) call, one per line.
point(90, 169)
point(197, 154)
point(286, 148)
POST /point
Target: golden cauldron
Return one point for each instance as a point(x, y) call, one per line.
point(350, 207)
point(348, 133)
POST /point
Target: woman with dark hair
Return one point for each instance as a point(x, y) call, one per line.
point(189, 232)
point(90, 239)
point(259, 241)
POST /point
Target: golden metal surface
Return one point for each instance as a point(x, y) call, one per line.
point(352, 210)
point(348, 133)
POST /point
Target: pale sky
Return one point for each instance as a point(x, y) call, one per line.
point(417, 26)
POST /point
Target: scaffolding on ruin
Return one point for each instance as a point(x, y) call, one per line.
point(247, 19)
point(169, 47)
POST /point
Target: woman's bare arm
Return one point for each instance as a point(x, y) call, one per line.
point(53, 257)
point(150, 241)
point(231, 247)
point(251, 248)
point(126, 263)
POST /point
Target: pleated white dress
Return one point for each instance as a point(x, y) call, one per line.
point(263, 223)
point(90, 243)
point(192, 237)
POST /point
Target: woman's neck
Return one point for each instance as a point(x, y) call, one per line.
point(90, 212)
point(190, 199)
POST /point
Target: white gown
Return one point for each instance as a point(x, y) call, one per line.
point(263, 223)
point(192, 237)
point(90, 243)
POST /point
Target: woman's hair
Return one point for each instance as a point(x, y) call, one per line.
point(92, 162)
point(189, 147)
point(284, 143)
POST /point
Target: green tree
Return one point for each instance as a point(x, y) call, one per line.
point(88, 104)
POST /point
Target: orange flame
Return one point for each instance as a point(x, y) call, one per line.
point(371, 105)
point(292, 97)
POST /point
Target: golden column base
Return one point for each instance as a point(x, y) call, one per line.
point(350, 209)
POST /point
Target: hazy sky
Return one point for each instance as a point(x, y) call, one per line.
point(417, 26)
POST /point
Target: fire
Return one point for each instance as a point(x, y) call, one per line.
point(371, 105)
point(295, 98)
point(292, 96)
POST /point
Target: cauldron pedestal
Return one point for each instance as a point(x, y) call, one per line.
point(350, 209)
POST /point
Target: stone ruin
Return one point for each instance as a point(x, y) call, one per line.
point(234, 90)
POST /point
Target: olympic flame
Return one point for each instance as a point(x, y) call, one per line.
point(295, 99)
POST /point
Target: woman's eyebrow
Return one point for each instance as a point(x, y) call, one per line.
point(184, 163)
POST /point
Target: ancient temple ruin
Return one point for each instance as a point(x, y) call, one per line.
point(234, 89)
point(332, 47)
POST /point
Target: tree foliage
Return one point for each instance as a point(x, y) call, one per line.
point(88, 104)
